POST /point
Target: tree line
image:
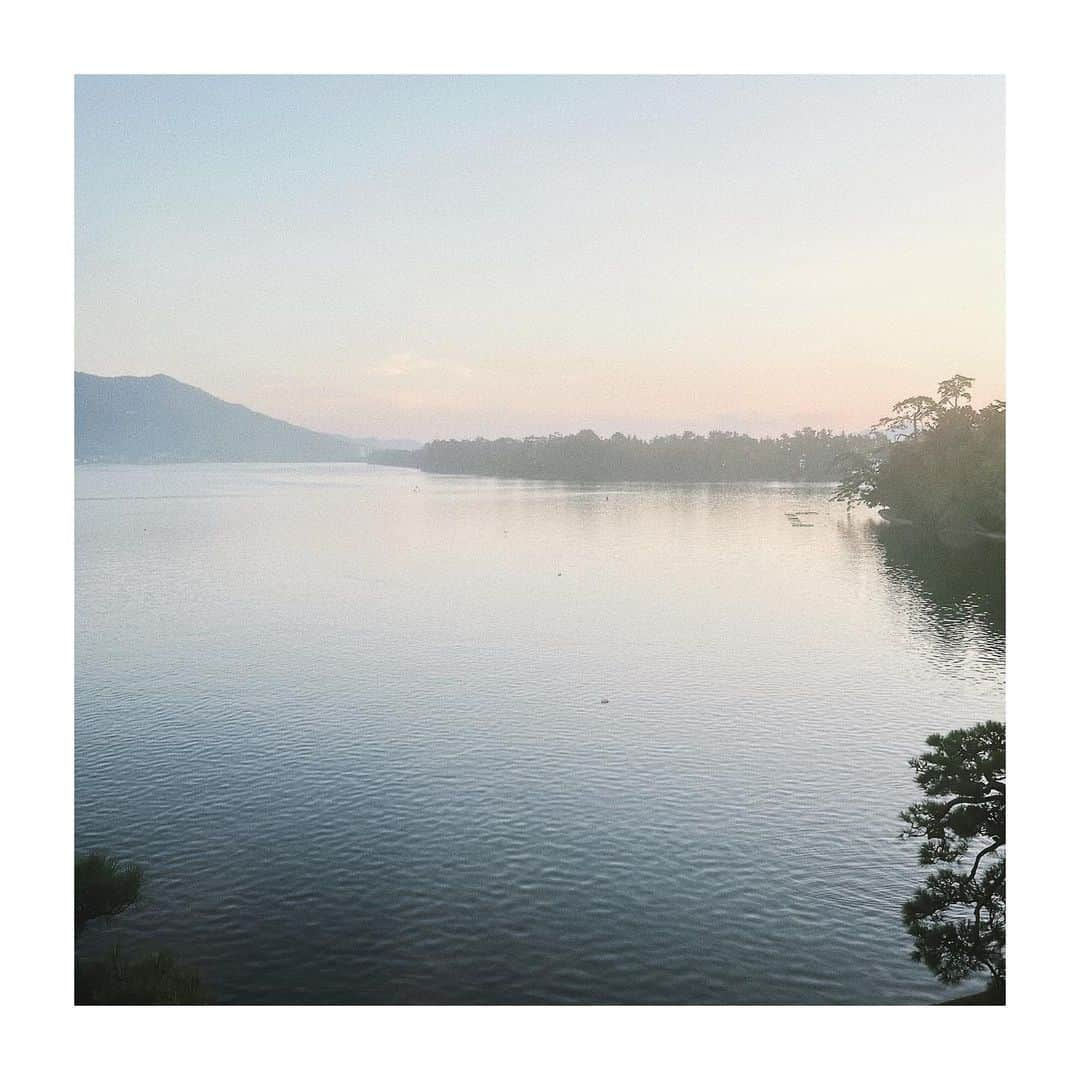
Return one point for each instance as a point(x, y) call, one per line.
point(808, 454)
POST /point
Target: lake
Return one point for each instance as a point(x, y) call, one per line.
point(382, 736)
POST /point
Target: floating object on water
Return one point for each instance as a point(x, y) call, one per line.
point(604, 701)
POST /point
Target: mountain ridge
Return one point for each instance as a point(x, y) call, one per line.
point(141, 418)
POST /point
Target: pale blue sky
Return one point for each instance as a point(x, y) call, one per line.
point(433, 256)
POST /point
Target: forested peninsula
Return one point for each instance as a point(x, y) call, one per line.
point(942, 469)
point(934, 463)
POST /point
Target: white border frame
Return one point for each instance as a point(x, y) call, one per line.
point(1033, 47)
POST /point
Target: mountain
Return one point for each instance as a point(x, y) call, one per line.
point(157, 418)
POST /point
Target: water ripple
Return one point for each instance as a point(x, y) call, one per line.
point(354, 733)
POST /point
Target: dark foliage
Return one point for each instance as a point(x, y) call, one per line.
point(153, 978)
point(945, 468)
point(104, 887)
point(957, 918)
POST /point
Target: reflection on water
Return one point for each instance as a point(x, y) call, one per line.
point(957, 585)
point(380, 736)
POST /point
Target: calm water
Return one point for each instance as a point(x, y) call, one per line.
point(350, 720)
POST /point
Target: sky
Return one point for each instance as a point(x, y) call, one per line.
point(452, 256)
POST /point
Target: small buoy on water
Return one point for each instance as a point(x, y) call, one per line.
point(604, 701)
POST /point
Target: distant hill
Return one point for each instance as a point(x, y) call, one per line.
point(384, 444)
point(156, 418)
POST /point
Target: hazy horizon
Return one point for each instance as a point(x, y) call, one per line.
point(427, 257)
